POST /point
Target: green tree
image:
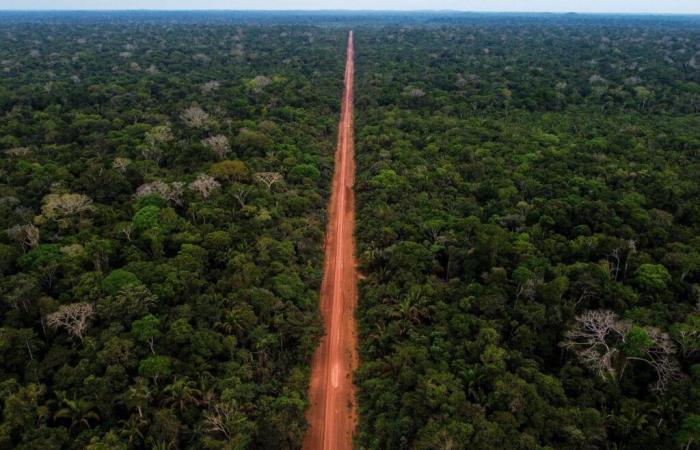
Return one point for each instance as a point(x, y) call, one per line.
point(119, 279)
point(652, 277)
point(147, 330)
point(155, 367)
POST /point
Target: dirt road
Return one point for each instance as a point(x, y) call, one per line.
point(332, 414)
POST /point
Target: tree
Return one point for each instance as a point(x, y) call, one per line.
point(59, 207)
point(195, 117)
point(205, 185)
point(100, 251)
point(109, 441)
point(268, 178)
point(121, 164)
point(652, 277)
point(155, 138)
point(218, 144)
point(606, 345)
point(146, 218)
point(687, 335)
point(229, 171)
point(44, 259)
point(302, 171)
point(689, 432)
point(77, 410)
point(182, 393)
point(225, 419)
point(131, 301)
point(210, 86)
point(21, 292)
point(147, 330)
point(171, 192)
point(259, 83)
point(119, 279)
point(139, 396)
point(73, 317)
point(155, 367)
point(252, 142)
point(26, 235)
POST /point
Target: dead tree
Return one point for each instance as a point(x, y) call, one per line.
point(205, 185)
point(195, 117)
point(210, 86)
point(168, 191)
point(241, 193)
point(74, 318)
point(268, 178)
point(599, 341)
point(26, 235)
point(659, 355)
point(593, 339)
point(121, 164)
point(218, 144)
point(224, 418)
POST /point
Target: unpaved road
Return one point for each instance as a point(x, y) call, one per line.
point(332, 413)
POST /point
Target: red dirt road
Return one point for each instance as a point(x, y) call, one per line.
point(332, 413)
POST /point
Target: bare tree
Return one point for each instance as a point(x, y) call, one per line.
point(659, 356)
point(205, 185)
point(600, 341)
point(268, 178)
point(225, 418)
point(127, 230)
point(218, 144)
point(26, 235)
point(73, 317)
point(177, 189)
point(416, 92)
point(169, 191)
point(195, 117)
point(18, 152)
point(210, 86)
point(60, 206)
point(121, 164)
point(591, 340)
point(241, 193)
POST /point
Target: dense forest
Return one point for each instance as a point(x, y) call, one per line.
point(528, 228)
point(162, 195)
point(528, 223)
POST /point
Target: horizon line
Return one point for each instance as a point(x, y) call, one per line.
point(330, 10)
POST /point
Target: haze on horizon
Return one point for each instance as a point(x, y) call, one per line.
point(583, 6)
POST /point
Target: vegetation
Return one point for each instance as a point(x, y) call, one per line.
point(164, 210)
point(528, 233)
point(527, 228)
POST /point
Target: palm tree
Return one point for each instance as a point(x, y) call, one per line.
point(132, 429)
point(139, 395)
point(181, 393)
point(79, 411)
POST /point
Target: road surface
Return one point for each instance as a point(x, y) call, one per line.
point(332, 412)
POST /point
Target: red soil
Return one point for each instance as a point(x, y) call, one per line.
point(332, 414)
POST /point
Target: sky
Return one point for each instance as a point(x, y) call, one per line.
point(595, 6)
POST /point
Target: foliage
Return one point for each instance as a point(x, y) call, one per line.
point(526, 226)
point(143, 269)
point(163, 182)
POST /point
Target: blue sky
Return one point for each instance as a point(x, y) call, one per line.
point(628, 6)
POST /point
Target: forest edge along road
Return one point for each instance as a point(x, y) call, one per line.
point(332, 411)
